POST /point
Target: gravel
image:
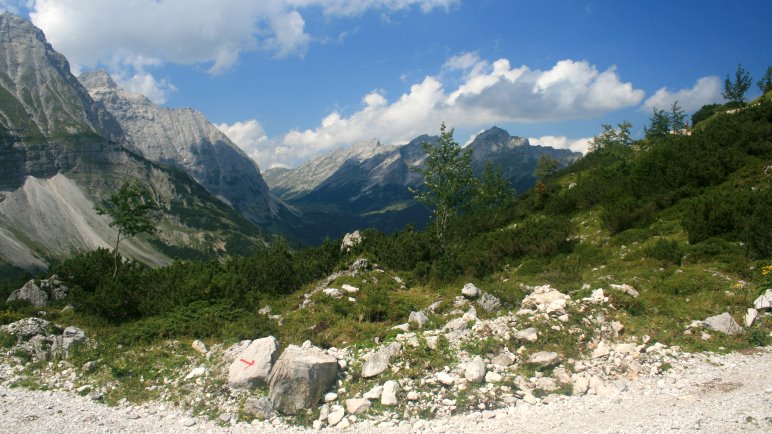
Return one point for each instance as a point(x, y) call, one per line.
point(700, 392)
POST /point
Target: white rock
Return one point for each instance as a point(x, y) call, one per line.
point(413, 396)
point(470, 291)
point(723, 323)
point(350, 240)
point(374, 393)
point(475, 370)
point(336, 415)
point(418, 318)
point(199, 346)
point(493, 377)
point(379, 361)
point(196, 372)
point(389, 396)
point(627, 289)
point(446, 379)
point(330, 397)
point(300, 377)
point(750, 316)
point(544, 359)
point(357, 405)
point(602, 350)
point(764, 301)
point(343, 424)
point(580, 386)
point(253, 365)
point(529, 335)
point(348, 288)
point(333, 292)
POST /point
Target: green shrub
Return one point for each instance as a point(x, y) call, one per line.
point(7, 340)
point(668, 251)
point(689, 283)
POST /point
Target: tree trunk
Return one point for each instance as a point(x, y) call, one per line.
point(115, 254)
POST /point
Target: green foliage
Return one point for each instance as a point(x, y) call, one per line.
point(448, 180)
point(668, 251)
point(493, 190)
point(765, 83)
point(546, 166)
point(611, 137)
point(659, 125)
point(129, 210)
point(734, 91)
point(705, 112)
point(7, 340)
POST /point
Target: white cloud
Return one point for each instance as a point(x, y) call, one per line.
point(212, 32)
point(251, 138)
point(488, 94)
point(706, 90)
point(562, 142)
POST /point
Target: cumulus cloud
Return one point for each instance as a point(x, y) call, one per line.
point(706, 90)
point(251, 138)
point(489, 93)
point(562, 142)
point(213, 33)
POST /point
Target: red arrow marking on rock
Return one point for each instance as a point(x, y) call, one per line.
point(249, 364)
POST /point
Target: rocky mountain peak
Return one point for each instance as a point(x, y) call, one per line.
point(98, 80)
point(496, 139)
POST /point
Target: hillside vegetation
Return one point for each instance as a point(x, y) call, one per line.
point(684, 219)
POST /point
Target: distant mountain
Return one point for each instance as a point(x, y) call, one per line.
point(60, 154)
point(367, 184)
point(184, 138)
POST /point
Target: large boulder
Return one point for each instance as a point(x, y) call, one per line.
point(72, 335)
point(419, 319)
point(470, 291)
point(475, 370)
point(300, 377)
point(252, 367)
point(723, 323)
point(379, 361)
point(30, 292)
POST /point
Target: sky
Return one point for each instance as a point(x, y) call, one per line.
point(288, 80)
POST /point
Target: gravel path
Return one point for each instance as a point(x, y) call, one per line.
point(706, 393)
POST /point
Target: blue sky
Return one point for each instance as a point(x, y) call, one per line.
point(289, 79)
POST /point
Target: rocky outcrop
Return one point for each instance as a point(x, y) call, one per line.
point(39, 339)
point(299, 378)
point(31, 293)
point(184, 138)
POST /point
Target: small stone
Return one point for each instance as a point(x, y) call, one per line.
point(580, 386)
point(188, 422)
point(336, 415)
point(627, 289)
point(343, 424)
point(413, 396)
point(544, 359)
point(330, 397)
point(750, 316)
point(199, 346)
point(225, 417)
point(475, 370)
point(333, 292)
point(489, 302)
point(764, 301)
point(196, 372)
point(493, 377)
point(446, 379)
point(374, 393)
point(379, 361)
point(350, 289)
point(529, 335)
point(317, 425)
point(503, 360)
point(357, 405)
point(95, 395)
point(418, 318)
point(602, 350)
point(470, 291)
point(389, 396)
point(89, 366)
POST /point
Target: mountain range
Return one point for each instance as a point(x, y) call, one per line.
point(61, 154)
point(67, 143)
point(367, 185)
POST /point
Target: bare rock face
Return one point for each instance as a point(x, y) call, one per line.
point(299, 378)
point(252, 367)
point(30, 292)
point(186, 139)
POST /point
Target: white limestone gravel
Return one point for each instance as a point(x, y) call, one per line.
point(700, 393)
